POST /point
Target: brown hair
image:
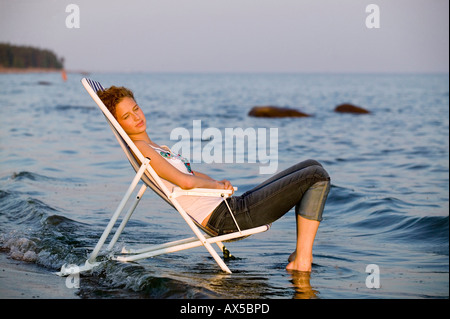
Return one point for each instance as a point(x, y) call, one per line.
point(113, 96)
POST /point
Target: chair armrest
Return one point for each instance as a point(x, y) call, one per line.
point(213, 192)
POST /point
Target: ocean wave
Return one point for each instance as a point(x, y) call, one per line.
point(78, 108)
point(130, 280)
point(21, 210)
point(25, 175)
point(25, 218)
point(428, 229)
point(389, 219)
point(45, 237)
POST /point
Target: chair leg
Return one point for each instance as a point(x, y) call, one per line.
point(224, 250)
point(127, 217)
point(188, 243)
point(118, 211)
point(227, 254)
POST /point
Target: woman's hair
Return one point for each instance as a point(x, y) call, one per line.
point(113, 96)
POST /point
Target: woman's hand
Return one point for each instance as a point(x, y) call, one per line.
point(225, 184)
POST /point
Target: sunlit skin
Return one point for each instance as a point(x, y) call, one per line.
point(132, 119)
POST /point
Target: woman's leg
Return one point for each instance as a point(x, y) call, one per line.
point(303, 186)
point(301, 258)
point(313, 201)
point(294, 168)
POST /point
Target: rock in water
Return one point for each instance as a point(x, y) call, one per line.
point(275, 111)
point(349, 108)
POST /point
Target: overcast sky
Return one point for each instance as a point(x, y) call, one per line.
point(235, 35)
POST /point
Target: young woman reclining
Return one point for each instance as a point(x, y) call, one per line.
point(304, 186)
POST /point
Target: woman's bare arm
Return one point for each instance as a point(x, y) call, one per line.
point(186, 181)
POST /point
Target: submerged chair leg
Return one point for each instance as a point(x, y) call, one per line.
point(224, 250)
point(226, 253)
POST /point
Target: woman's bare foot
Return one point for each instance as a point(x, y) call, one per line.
point(299, 264)
point(301, 259)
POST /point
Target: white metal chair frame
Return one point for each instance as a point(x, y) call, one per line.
point(145, 172)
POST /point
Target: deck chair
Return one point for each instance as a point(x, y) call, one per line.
point(149, 178)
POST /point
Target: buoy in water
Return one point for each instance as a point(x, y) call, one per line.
point(64, 75)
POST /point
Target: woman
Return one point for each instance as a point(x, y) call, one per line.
point(304, 186)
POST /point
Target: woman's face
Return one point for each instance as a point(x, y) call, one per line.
point(130, 116)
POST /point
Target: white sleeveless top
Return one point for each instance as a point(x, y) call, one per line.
point(198, 207)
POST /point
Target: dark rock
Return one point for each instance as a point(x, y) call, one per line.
point(44, 83)
point(349, 108)
point(275, 111)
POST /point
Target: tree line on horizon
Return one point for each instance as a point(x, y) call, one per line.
point(16, 56)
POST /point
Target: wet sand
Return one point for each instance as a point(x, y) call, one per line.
point(22, 280)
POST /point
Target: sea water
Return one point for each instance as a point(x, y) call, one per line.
point(385, 229)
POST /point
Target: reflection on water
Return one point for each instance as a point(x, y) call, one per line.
point(302, 285)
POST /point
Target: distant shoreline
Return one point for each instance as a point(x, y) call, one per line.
point(29, 70)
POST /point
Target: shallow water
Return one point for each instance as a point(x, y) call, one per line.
point(62, 174)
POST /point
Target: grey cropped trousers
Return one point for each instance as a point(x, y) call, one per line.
point(304, 186)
